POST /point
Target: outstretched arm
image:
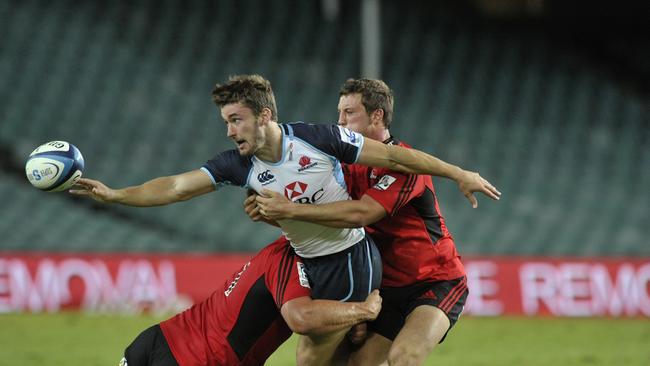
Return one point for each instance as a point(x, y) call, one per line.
point(156, 192)
point(411, 161)
point(313, 317)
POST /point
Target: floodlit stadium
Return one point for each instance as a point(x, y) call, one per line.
point(547, 100)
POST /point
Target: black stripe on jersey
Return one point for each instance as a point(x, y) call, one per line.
point(425, 206)
point(407, 188)
point(284, 273)
point(257, 314)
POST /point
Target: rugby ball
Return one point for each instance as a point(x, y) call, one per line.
point(54, 166)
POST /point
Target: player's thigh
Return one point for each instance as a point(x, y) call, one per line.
point(424, 328)
point(373, 352)
point(317, 350)
point(149, 348)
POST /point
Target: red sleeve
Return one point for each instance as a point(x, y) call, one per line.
point(394, 190)
point(286, 279)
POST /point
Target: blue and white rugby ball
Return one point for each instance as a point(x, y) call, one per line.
point(54, 166)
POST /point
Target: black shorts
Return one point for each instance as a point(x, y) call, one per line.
point(399, 302)
point(150, 348)
point(349, 275)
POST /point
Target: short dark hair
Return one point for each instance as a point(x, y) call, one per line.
point(253, 91)
point(375, 94)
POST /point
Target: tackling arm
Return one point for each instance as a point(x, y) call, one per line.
point(342, 214)
point(413, 161)
point(156, 192)
point(314, 317)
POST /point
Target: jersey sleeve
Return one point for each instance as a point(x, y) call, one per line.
point(394, 190)
point(228, 168)
point(339, 142)
point(287, 280)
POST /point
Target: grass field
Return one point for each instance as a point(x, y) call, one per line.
point(77, 339)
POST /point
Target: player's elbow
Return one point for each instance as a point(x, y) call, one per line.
point(365, 213)
point(301, 322)
point(360, 219)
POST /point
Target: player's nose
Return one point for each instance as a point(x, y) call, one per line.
point(232, 131)
point(342, 121)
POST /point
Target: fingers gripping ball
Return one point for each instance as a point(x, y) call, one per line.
point(54, 166)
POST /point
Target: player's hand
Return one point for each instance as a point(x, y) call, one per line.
point(251, 208)
point(94, 189)
point(373, 303)
point(274, 205)
point(470, 182)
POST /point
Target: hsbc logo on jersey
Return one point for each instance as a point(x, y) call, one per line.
point(385, 182)
point(294, 190)
point(305, 163)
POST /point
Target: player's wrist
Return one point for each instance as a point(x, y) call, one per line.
point(456, 173)
point(366, 311)
point(116, 196)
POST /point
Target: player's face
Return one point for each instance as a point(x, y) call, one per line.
point(353, 115)
point(243, 127)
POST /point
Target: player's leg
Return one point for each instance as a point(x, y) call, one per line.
point(373, 352)
point(318, 350)
point(424, 329)
point(383, 330)
point(432, 312)
point(349, 275)
point(149, 348)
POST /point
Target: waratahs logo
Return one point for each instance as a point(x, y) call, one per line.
point(305, 163)
point(295, 189)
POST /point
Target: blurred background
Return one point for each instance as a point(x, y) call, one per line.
point(547, 99)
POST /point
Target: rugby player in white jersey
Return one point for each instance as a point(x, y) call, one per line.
point(304, 162)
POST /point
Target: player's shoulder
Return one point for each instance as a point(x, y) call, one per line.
point(309, 131)
point(233, 157)
point(229, 167)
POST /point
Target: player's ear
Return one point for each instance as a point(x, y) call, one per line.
point(265, 116)
point(377, 116)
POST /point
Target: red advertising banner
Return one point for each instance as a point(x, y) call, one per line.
point(169, 283)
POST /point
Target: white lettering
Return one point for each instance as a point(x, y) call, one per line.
point(75, 282)
point(537, 287)
point(610, 298)
point(483, 289)
point(643, 286)
point(574, 295)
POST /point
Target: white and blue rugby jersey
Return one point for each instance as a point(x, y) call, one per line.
point(309, 172)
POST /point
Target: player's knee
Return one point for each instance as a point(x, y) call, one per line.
point(305, 357)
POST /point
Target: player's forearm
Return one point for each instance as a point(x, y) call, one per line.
point(413, 161)
point(326, 316)
point(342, 214)
point(156, 192)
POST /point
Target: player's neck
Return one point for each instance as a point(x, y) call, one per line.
point(381, 135)
point(271, 151)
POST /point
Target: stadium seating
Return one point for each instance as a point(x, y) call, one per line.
point(129, 84)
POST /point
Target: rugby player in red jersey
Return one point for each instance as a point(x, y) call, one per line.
point(248, 318)
point(424, 285)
